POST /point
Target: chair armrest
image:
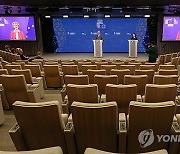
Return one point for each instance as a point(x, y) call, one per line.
point(4, 100)
point(70, 118)
point(173, 146)
point(63, 93)
point(70, 138)
point(139, 98)
point(143, 98)
point(17, 138)
point(34, 94)
point(177, 103)
point(122, 133)
point(65, 118)
point(65, 107)
point(103, 98)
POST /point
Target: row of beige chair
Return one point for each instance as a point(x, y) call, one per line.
point(9, 57)
point(95, 125)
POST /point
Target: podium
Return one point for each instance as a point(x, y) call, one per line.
point(133, 48)
point(97, 48)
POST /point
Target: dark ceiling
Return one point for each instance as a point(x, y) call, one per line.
point(90, 2)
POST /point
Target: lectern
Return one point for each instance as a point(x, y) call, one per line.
point(97, 48)
point(133, 48)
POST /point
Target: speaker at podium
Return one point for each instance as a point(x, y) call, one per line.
point(98, 45)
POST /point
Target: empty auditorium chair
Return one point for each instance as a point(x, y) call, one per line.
point(30, 80)
point(35, 70)
point(167, 67)
point(40, 60)
point(36, 63)
point(155, 68)
point(52, 150)
point(39, 125)
point(86, 67)
point(102, 80)
point(174, 55)
point(100, 63)
point(92, 73)
point(148, 67)
point(19, 63)
point(76, 79)
point(3, 71)
point(161, 59)
point(52, 76)
point(168, 72)
point(108, 68)
point(82, 93)
point(139, 80)
point(82, 63)
point(95, 126)
point(160, 93)
point(10, 67)
point(137, 65)
point(67, 63)
point(122, 95)
point(2, 118)
point(165, 79)
point(167, 58)
point(130, 67)
point(70, 69)
point(147, 120)
point(120, 74)
point(174, 61)
point(51, 63)
point(149, 73)
point(16, 89)
point(118, 64)
point(95, 151)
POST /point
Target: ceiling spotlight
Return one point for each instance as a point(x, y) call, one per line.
point(86, 16)
point(107, 16)
point(65, 16)
point(47, 16)
point(127, 15)
point(8, 10)
point(147, 15)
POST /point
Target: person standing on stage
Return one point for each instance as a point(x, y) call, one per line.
point(153, 52)
point(99, 36)
point(134, 37)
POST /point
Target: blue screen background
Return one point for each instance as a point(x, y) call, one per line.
point(76, 34)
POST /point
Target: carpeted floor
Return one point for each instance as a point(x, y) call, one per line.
point(5, 141)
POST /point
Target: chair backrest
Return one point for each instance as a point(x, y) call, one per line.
point(67, 63)
point(108, 68)
point(147, 67)
point(70, 69)
point(35, 70)
point(139, 80)
point(118, 93)
point(27, 74)
point(15, 88)
point(82, 93)
point(3, 71)
point(95, 126)
point(10, 67)
point(167, 58)
point(52, 76)
point(174, 55)
point(120, 74)
point(149, 73)
point(76, 79)
point(165, 79)
point(156, 66)
point(41, 124)
point(92, 73)
point(160, 93)
point(137, 65)
point(100, 63)
point(168, 72)
point(86, 67)
point(19, 63)
point(82, 63)
point(167, 67)
point(36, 63)
point(51, 63)
point(161, 59)
point(130, 67)
point(118, 64)
point(102, 80)
point(148, 119)
point(174, 61)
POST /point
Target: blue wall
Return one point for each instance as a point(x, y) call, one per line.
point(76, 34)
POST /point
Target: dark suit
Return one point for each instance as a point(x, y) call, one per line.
point(99, 37)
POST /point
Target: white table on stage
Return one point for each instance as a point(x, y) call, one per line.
point(133, 48)
point(97, 48)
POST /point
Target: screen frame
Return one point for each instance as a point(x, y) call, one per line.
point(170, 15)
point(21, 15)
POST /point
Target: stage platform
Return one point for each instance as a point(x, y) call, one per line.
point(123, 56)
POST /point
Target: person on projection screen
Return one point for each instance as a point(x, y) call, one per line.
point(16, 34)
